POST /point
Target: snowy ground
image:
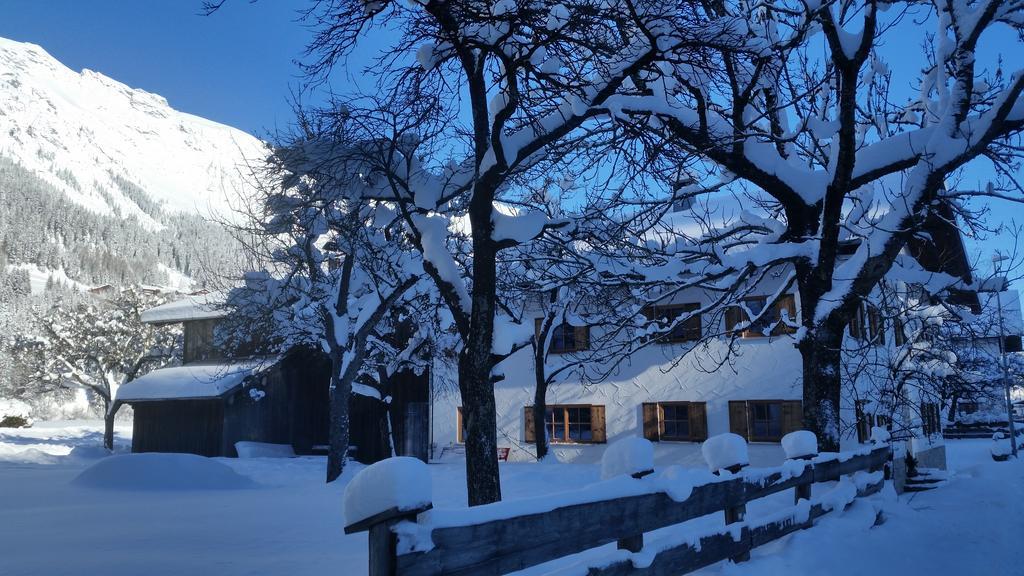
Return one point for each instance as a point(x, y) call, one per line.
point(290, 523)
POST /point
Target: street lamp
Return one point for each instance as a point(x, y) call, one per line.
point(996, 259)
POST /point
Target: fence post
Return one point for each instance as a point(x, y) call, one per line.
point(634, 543)
point(735, 514)
point(383, 541)
point(803, 491)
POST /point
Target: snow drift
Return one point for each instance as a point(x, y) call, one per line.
point(152, 471)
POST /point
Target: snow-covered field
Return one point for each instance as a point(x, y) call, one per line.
point(281, 519)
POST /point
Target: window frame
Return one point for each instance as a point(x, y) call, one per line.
point(566, 425)
point(779, 328)
point(686, 328)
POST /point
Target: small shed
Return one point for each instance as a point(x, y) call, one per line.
point(206, 407)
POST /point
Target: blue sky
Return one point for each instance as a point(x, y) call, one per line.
point(237, 65)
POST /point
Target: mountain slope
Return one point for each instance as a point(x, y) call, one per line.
point(102, 183)
point(113, 149)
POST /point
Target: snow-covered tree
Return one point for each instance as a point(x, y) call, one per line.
point(334, 273)
point(99, 345)
point(797, 107)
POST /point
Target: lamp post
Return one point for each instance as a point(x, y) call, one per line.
point(996, 259)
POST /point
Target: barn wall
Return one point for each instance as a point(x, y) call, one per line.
point(191, 426)
point(258, 411)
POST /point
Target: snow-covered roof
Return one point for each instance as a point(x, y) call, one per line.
point(194, 307)
point(204, 380)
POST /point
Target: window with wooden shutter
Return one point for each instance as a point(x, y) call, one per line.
point(566, 338)
point(573, 424)
point(931, 422)
point(856, 328)
point(528, 434)
point(792, 416)
point(899, 337)
point(765, 420)
point(738, 417)
point(698, 421)
point(649, 412)
point(876, 326)
point(786, 303)
point(665, 314)
point(772, 318)
point(597, 424)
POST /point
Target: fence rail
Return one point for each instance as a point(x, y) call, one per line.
point(510, 544)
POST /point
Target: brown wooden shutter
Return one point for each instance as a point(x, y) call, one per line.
point(788, 303)
point(698, 413)
point(738, 417)
point(597, 429)
point(733, 316)
point(528, 434)
point(582, 337)
point(458, 423)
point(650, 415)
point(792, 416)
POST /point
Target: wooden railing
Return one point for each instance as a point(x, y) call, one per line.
point(505, 545)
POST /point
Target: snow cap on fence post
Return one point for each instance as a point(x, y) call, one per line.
point(800, 444)
point(633, 456)
point(387, 488)
point(725, 452)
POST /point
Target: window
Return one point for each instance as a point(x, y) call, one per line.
point(685, 331)
point(867, 324)
point(675, 421)
point(865, 421)
point(569, 424)
point(770, 323)
point(898, 336)
point(566, 338)
point(931, 422)
point(765, 420)
point(876, 326)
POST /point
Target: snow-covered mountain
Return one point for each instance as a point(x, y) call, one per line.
point(100, 142)
point(100, 182)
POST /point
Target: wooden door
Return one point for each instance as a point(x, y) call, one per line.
point(417, 430)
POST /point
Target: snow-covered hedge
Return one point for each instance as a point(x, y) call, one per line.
point(157, 471)
point(401, 482)
point(629, 456)
point(725, 451)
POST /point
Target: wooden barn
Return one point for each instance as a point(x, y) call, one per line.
point(211, 402)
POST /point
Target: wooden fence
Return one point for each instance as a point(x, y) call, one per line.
point(506, 545)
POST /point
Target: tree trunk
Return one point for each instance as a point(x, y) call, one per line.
point(108, 425)
point(540, 408)
point(821, 353)
point(478, 409)
point(341, 390)
point(476, 362)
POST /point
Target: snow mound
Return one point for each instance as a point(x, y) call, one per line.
point(631, 455)
point(156, 471)
point(879, 435)
point(800, 443)
point(85, 452)
point(401, 482)
point(724, 451)
point(264, 450)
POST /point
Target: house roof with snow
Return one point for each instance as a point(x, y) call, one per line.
point(204, 306)
point(193, 381)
